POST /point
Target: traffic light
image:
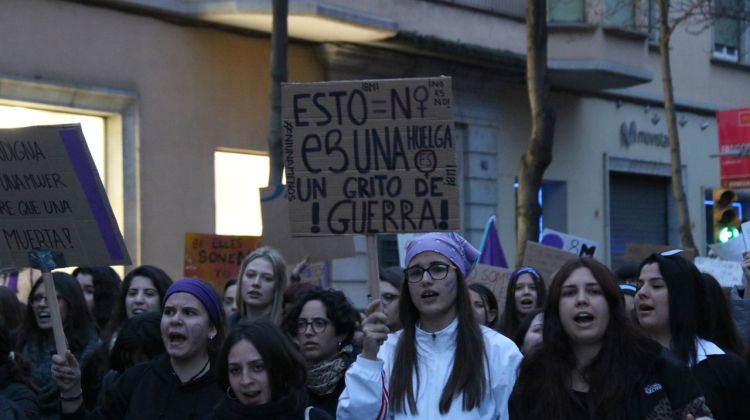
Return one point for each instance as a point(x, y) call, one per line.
point(726, 218)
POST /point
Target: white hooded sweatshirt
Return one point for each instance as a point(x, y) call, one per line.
point(366, 394)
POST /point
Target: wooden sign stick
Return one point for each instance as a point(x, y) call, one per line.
point(373, 278)
point(45, 261)
point(54, 308)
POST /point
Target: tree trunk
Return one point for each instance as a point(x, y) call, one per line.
point(538, 155)
point(678, 190)
point(278, 76)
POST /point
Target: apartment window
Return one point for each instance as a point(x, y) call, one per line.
point(731, 34)
point(566, 11)
point(238, 177)
point(620, 13)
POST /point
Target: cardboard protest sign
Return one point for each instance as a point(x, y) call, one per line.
point(275, 213)
point(728, 273)
point(317, 274)
point(494, 278)
point(216, 258)
point(51, 198)
point(638, 252)
point(545, 259)
point(570, 243)
point(370, 156)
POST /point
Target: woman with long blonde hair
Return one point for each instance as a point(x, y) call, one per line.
point(261, 284)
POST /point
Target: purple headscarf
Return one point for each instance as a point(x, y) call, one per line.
point(201, 291)
point(448, 244)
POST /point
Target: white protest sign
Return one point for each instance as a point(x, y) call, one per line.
point(370, 156)
point(730, 250)
point(745, 228)
point(51, 198)
point(570, 243)
point(402, 239)
point(728, 273)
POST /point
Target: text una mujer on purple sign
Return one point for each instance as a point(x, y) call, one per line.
point(370, 156)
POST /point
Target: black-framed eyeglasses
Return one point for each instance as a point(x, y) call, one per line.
point(388, 297)
point(318, 325)
point(437, 271)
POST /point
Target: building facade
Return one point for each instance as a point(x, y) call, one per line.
point(176, 81)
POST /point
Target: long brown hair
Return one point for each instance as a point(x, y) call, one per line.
point(510, 319)
point(467, 375)
point(543, 391)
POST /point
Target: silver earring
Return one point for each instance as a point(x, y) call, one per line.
point(230, 393)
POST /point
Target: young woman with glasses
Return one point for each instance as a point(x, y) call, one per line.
point(322, 324)
point(442, 364)
point(38, 343)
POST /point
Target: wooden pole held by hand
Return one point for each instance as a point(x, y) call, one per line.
point(46, 261)
point(54, 308)
point(373, 277)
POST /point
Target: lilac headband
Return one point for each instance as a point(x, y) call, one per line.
point(529, 270)
point(448, 244)
point(201, 291)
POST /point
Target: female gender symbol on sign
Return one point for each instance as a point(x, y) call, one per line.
point(425, 161)
point(421, 91)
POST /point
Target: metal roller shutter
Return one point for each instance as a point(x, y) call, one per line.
point(638, 211)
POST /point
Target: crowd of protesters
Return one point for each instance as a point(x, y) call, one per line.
point(655, 340)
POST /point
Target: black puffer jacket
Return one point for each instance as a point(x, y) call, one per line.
point(288, 407)
point(152, 390)
point(662, 388)
point(725, 381)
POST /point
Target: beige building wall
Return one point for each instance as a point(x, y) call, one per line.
point(196, 89)
point(697, 77)
point(587, 139)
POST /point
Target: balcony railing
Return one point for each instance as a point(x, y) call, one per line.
point(513, 8)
